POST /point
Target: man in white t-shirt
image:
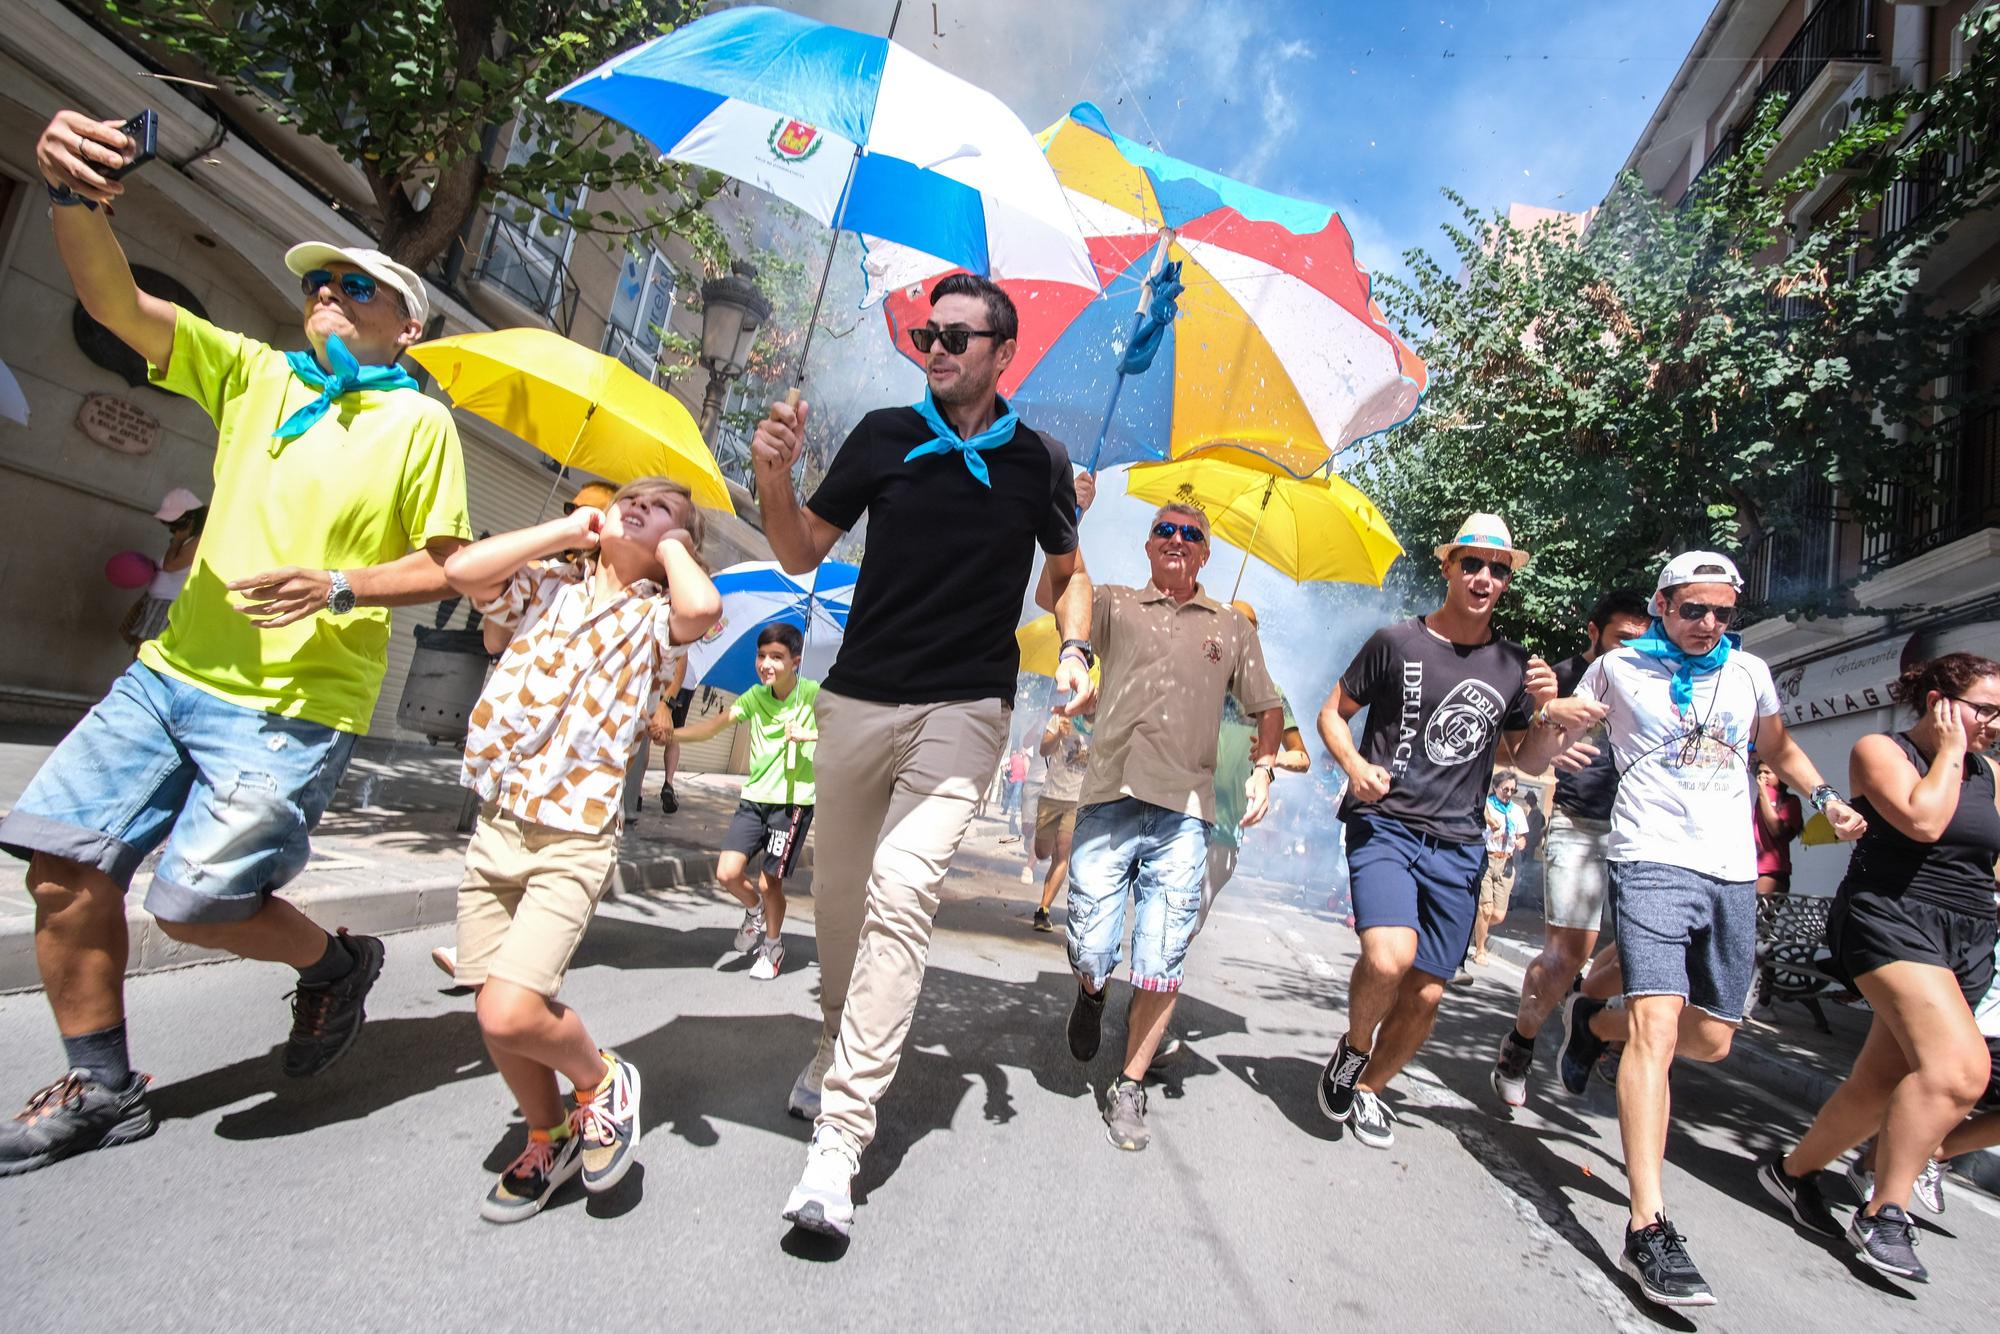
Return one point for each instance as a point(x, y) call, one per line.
point(1686, 707)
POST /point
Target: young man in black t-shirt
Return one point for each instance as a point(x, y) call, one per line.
point(1439, 690)
point(1576, 875)
point(913, 715)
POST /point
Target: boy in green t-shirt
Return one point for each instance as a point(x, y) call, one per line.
point(776, 809)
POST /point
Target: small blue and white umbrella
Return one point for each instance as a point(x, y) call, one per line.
point(853, 129)
point(758, 594)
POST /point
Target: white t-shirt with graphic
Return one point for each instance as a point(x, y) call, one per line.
point(1684, 775)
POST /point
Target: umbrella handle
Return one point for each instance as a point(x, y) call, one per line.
point(1255, 529)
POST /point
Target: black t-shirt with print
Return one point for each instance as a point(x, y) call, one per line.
point(1435, 714)
point(947, 559)
point(1591, 791)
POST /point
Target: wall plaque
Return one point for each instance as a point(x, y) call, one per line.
point(117, 424)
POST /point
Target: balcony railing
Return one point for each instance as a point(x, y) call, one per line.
point(530, 272)
point(1962, 497)
point(1725, 148)
point(1798, 551)
point(1912, 196)
point(1836, 30)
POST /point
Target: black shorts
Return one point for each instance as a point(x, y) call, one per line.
point(776, 831)
point(1990, 1100)
point(678, 706)
point(1865, 931)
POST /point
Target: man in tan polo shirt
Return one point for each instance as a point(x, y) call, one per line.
point(1170, 655)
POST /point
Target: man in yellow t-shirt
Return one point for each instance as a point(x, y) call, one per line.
point(339, 491)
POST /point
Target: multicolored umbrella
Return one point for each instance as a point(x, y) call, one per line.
point(1278, 346)
point(760, 593)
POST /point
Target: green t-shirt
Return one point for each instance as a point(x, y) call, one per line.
point(1232, 768)
point(374, 479)
point(781, 771)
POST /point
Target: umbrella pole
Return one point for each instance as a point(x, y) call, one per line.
point(562, 469)
point(1138, 317)
point(1255, 529)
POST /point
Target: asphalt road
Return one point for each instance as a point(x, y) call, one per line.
point(992, 1199)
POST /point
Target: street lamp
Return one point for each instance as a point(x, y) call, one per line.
point(732, 310)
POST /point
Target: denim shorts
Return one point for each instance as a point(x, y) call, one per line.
point(1574, 879)
point(1682, 933)
point(1157, 857)
point(1399, 877)
point(232, 792)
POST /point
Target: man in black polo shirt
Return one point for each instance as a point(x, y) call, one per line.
point(1576, 876)
point(913, 716)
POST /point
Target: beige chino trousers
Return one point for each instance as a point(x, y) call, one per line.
point(896, 785)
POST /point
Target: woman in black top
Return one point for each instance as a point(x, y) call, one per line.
point(1913, 925)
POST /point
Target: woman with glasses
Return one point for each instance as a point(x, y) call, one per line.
point(1913, 927)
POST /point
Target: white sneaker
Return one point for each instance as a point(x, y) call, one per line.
point(1861, 1179)
point(1929, 1190)
point(823, 1201)
point(804, 1100)
point(446, 958)
point(770, 958)
point(1027, 875)
point(750, 932)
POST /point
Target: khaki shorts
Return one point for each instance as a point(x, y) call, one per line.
point(526, 899)
point(1496, 886)
point(1054, 818)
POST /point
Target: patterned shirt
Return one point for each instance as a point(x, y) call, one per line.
point(562, 714)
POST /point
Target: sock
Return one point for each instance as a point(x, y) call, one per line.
point(1520, 1038)
point(337, 962)
point(556, 1133)
point(103, 1054)
point(584, 1095)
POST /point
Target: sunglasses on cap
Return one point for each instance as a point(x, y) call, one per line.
point(1472, 565)
point(955, 340)
point(1694, 611)
point(359, 286)
point(1189, 532)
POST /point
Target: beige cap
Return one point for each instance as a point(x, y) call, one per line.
point(304, 258)
point(177, 503)
point(1484, 532)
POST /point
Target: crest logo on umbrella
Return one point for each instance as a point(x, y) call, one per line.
point(794, 140)
point(721, 624)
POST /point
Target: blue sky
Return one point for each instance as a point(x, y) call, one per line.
point(1370, 107)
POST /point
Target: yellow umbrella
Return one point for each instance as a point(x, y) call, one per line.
point(1308, 528)
point(583, 409)
point(1041, 646)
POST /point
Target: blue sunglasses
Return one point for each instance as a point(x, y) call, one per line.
point(356, 285)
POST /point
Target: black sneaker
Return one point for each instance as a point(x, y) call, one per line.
point(669, 803)
point(1086, 1023)
point(1371, 1121)
point(1337, 1080)
point(1581, 1047)
point(327, 1018)
point(1657, 1257)
point(74, 1115)
point(1887, 1241)
point(1799, 1195)
point(1510, 1070)
point(528, 1182)
point(1042, 922)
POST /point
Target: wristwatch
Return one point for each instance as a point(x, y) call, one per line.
point(339, 593)
point(1082, 647)
point(1823, 794)
point(1270, 769)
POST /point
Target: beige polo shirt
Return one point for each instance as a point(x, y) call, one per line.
point(1167, 667)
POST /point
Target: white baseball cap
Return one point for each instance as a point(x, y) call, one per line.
point(1699, 567)
point(304, 258)
point(1484, 532)
point(177, 503)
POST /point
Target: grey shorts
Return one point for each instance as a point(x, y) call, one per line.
point(1574, 881)
point(1682, 933)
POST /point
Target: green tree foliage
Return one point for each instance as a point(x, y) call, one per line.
point(1671, 377)
point(412, 91)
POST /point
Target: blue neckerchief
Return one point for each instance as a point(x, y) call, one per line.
point(348, 375)
point(1654, 643)
point(947, 440)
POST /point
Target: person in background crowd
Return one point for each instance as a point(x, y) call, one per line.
point(183, 512)
point(1506, 838)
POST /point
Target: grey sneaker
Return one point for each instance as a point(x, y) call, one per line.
point(1859, 1177)
point(1656, 1257)
point(823, 1201)
point(327, 1018)
point(1371, 1121)
point(804, 1100)
point(1887, 1242)
point(74, 1115)
point(751, 934)
point(1930, 1187)
point(1125, 1114)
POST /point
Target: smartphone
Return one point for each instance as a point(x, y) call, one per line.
point(144, 131)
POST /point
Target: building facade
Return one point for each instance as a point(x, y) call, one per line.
point(1927, 581)
point(207, 224)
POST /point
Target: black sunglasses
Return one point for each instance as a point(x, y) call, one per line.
point(1189, 532)
point(955, 340)
point(357, 285)
point(1471, 565)
point(1694, 611)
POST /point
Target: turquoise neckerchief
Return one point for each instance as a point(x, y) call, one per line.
point(1655, 644)
point(348, 375)
point(947, 440)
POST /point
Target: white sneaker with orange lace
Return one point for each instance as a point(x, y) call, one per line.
point(607, 1123)
point(532, 1178)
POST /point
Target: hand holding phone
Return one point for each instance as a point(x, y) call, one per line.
point(143, 130)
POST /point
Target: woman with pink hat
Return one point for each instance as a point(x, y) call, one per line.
point(183, 512)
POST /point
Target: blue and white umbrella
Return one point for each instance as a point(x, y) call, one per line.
point(758, 594)
point(854, 130)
